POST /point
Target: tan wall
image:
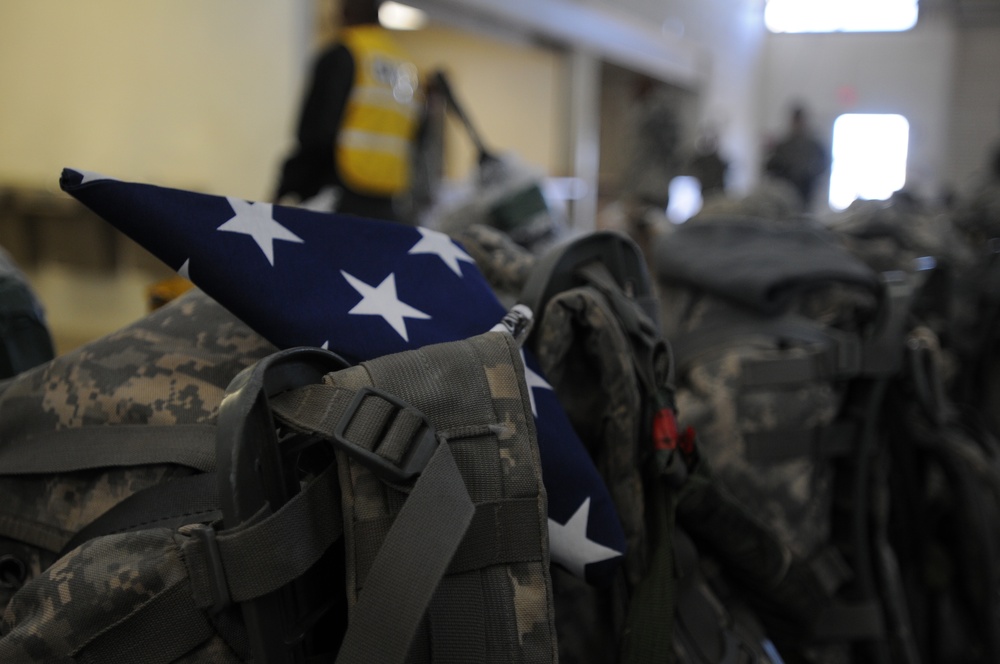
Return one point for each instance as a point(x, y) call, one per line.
point(185, 93)
point(180, 92)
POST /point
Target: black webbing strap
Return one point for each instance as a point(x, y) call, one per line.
point(703, 625)
point(163, 630)
point(649, 627)
point(268, 551)
point(181, 501)
point(850, 622)
point(118, 445)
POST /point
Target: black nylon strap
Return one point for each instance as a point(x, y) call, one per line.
point(161, 631)
point(118, 445)
point(269, 552)
point(172, 504)
point(850, 622)
point(649, 628)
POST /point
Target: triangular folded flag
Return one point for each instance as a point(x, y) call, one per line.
point(362, 288)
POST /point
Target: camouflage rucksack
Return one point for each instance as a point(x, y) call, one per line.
point(904, 235)
point(597, 340)
point(425, 461)
point(945, 516)
point(162, 377)
point(784, 344)
point(940, 427)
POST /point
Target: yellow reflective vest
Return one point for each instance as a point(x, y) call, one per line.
point(379, 121)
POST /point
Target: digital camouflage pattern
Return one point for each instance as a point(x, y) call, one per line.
point(749, 409)
point(979, 217)
point(474, 394)
point(171, 367)
point(505, 193)
point(580, 345)
point(794, 495)
point(902, 234)
point(791, 494)
point(773, 199)
point(893, 234)
point(64, 614)
point(586, 357)
point(505, 264)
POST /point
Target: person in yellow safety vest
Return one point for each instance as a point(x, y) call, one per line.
point(357, 123)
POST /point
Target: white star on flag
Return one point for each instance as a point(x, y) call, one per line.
point(257, 221)
point(185, 270)
point(533, 380)
point(439, 244)
point(570, 539)
point(382, 301)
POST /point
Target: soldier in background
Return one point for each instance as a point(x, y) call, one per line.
point(799, 158)
point(708, 166)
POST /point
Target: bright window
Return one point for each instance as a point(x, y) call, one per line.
point(869, 157)
point(685, 199)
point(840, 15)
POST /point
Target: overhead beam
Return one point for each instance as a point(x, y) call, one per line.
point(604, 31)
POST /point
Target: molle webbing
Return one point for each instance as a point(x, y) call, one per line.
point(829, 354)
point(473, 394)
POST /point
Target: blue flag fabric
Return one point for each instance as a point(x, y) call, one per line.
point(362, 288)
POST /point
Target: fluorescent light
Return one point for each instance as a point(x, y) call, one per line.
point(840, 15)
point(395, 16)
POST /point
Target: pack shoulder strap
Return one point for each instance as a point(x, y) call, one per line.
point(253, 559)
point(423, 538)
point(118, 445)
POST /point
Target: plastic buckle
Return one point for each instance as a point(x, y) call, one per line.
point(217, 585)
point(418, 454)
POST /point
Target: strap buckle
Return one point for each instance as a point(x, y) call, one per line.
point(218, 587)
point(417, 454)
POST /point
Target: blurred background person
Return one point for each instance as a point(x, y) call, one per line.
point(799, 157)
point(709, 166)
point(356, 124)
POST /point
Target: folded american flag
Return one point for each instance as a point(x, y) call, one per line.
point(362, 288)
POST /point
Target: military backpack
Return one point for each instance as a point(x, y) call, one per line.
point(179, 491)
point(784, 345)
